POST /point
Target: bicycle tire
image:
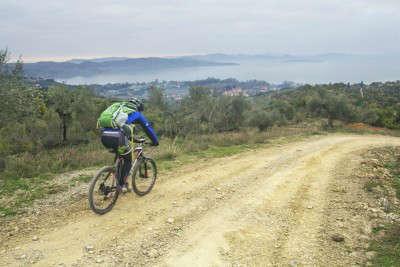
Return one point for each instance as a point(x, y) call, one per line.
point(100, 211)
point(136, 174)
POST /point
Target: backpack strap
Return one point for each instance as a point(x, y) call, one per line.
point(115, 115)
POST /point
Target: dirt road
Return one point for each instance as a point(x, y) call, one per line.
point(276, 205)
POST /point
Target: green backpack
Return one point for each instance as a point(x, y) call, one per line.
point(108, 117)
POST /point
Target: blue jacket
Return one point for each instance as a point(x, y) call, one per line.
point(137, 117)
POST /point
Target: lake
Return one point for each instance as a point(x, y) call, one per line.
point(354, 69)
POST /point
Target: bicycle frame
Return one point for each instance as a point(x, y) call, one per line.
point(136, 153)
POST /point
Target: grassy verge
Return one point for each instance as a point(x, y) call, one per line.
point(388, 248)
point(19, 193)
point(386, 243)
point(394, 168)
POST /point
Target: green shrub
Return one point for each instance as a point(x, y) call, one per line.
point(261, 119)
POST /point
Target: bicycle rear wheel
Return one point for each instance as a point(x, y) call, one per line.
point(103, 192)
point(144, 176)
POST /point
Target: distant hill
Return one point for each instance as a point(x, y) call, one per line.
point(239, 57)
point(219, 57)
point(90, 67)
point(102, 59)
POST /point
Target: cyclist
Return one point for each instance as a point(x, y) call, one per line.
point(117, 131)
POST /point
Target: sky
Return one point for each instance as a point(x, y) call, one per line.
point(58, 30)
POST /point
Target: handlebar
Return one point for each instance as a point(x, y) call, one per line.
point(138, 140)
point(141, 140)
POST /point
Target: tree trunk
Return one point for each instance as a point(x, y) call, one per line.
point(64, 128)
point(330, 122)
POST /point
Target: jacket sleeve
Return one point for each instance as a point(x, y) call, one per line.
point(137, 117)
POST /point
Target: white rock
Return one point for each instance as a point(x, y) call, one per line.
point(89, 248)
point(170, 220)
point(35, 238)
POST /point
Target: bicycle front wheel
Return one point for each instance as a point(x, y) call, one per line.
point(144, 176)
point(103, 192)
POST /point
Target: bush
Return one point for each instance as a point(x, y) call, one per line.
point(370, 117)
point(261, 120)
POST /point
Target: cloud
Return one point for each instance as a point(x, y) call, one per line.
point(53, 28)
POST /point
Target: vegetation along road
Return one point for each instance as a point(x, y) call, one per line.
point(288, 204)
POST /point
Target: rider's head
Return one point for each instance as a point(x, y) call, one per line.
point(138, 103)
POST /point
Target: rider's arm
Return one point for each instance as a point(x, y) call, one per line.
point(137, 117)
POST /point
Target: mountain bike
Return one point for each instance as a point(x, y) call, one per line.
point(106, 185)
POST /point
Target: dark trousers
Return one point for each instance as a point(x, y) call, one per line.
point(128, 157)
point(126, 167)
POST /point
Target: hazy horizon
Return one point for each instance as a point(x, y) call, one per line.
point(64, 59)
point(15, 57)
point(53, 30)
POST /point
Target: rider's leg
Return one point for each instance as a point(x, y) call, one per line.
point(127, 157)
point(126, 169)
point(127, 165)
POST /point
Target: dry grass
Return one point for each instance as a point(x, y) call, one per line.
point(28, 165)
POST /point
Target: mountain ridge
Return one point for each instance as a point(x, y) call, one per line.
point(77, 67)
